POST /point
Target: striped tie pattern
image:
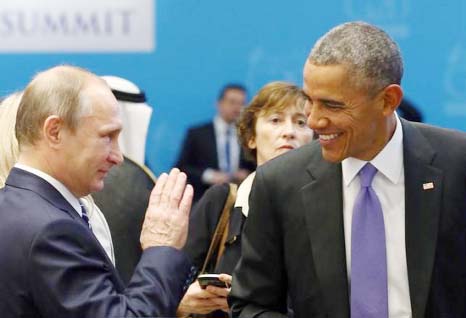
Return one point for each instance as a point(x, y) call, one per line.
point(85, 217)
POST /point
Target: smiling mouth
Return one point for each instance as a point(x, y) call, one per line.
point(328, 137)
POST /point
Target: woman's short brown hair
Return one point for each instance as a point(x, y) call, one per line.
point(273, 97)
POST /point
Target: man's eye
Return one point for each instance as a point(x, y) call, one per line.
point(333, 105)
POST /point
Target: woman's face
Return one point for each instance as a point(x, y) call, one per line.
point(279, 132)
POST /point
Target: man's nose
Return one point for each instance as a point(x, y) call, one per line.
point(116, 156)
point(316, 120)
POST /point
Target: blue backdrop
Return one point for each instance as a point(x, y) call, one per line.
point(200, 45)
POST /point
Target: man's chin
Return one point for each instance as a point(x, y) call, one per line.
point(332, 156)
point(97, 187)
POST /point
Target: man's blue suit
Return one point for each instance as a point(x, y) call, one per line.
point(52, 265)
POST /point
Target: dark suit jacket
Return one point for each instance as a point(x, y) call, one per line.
point(293, 239)
point(53, 266)
point(202, 224)
point(124, 201)
point(199, 152)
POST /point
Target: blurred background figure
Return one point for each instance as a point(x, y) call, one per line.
point(125, 196)
point(9, 146)
point(135, 114)
point(273, 123)
point(409, 111)
point(123, 201)
point(211, 153)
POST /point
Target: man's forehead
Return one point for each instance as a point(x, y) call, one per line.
point(333, 73)
point(100, 98)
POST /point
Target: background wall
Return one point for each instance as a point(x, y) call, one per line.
point(202, 44)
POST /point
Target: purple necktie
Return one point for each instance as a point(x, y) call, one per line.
point(369, 293)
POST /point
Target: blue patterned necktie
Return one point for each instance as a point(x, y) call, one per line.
point(369, 291)
point(85, 217)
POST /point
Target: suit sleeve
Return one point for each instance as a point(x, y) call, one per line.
point(69, 277)
point(259, 284)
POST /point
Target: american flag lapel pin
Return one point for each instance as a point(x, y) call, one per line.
point(428, 186)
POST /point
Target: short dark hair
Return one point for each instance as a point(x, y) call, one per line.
point(231, 86)
point(369, 52)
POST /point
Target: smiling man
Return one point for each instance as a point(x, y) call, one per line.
point(67, 128)
point(370, 220)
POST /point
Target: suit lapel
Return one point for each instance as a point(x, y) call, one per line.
point(25, 180)
point(423, 188)
point(214, 151)
point(323, 204)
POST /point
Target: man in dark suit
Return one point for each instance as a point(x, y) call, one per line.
point(368, 221)
point(210, 153)
point(52, 265)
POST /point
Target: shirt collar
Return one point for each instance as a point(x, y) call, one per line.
point(388, 162)
point(242, 196)
point(60, 187)
point(222, 126)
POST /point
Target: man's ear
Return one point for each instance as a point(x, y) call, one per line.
point(53, 131)
point(393, 94)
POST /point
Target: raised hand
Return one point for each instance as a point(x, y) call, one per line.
point(167, 216)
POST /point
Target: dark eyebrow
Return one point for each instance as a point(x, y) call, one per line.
point(333, 102)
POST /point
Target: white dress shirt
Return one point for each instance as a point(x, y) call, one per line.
point(242, 195)
point(389, 184)
point(221, 127)
point(135, 118)
point(96, 218)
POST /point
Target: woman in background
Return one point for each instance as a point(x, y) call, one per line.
point(9, 151)
point(272, 124)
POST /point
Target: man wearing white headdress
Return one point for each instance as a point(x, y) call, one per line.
point(135, 115)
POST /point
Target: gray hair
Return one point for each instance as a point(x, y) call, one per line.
point(370, 53)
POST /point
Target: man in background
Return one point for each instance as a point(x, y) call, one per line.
point(211, 153)
point(52, 265)
point(135, 114)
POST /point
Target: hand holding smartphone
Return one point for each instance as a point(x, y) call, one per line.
point(211, 280)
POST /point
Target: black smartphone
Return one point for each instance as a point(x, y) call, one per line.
point(212, 280)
